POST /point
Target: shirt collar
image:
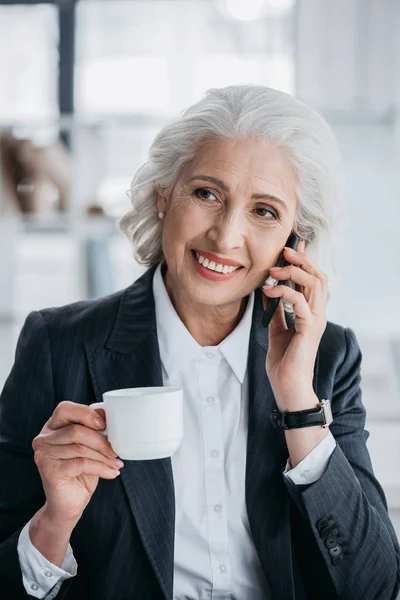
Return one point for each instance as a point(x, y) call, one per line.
point(176, 344)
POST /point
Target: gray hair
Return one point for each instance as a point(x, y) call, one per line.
point(243, 112)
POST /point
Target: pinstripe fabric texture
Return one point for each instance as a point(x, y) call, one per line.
point(124, 542)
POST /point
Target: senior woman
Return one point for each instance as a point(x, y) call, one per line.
point(245, 509)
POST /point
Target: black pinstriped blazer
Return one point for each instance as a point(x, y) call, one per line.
point(124, 542)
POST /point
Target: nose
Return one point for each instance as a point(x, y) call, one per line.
point(227, 233)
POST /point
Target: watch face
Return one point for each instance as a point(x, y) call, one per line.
point(277, 420)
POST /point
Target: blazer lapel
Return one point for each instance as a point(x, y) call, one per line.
point(131, 358)
point(267, 498)
point(266, 495)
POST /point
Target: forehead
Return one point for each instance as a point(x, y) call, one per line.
point(238, 158)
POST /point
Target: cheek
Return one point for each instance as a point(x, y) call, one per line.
point(182, 207)
point(265, 251)
point(183, 224)
point(189, 215)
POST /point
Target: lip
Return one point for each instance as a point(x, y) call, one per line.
point(217, 259)
point(212, 275)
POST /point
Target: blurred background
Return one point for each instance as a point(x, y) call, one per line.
point(85, 86)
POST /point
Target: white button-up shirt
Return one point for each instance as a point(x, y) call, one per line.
point(215, 557)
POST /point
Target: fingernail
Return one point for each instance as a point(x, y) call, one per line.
point(267, 287)
point(118, 463)
point(290, 249)
point(100, 423)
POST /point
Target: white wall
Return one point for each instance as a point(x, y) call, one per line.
point(345, 54)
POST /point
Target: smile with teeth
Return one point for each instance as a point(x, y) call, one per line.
point(212, 266)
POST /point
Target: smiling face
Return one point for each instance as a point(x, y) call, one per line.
point(237, 200)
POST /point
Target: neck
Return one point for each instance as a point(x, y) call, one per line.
point(209, 331)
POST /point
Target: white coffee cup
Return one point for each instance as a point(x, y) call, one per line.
point(143, 423)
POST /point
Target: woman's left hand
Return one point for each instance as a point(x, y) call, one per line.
point(292, 351)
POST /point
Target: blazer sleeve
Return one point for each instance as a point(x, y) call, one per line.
point(346, 508)
point(26, 403)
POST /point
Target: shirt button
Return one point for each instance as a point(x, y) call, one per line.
point(34, 586)
point(217, 507)
point(48, 574)
point(210, 355)
point(210, 399)
point(221, 568)
point(214, 454)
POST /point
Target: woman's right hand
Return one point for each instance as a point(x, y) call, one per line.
point(71, 455)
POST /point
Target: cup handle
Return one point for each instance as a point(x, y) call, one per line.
point(103, 406)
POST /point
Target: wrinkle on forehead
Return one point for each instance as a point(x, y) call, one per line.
point(237, 172)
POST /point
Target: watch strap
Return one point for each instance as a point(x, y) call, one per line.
point(320, 415)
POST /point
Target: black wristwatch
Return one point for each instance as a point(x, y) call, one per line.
point(320, 415)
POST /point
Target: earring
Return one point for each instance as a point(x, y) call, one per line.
point(160, 215)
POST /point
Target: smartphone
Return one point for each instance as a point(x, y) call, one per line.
point(292, 242)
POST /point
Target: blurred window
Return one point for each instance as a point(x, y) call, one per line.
point(28, 63)
point(159, 56)
point(141, 62)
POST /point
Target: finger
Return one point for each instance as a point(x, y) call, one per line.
point(70, 412)
point(300, 305)
point(76, 434)
point(308, 285)
point(67, 451)
point(74, 467)
point(278, 321)
point(303, 261)
point(296, 274)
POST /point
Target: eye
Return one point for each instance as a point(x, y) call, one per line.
point(202, 194)
point(269, 210)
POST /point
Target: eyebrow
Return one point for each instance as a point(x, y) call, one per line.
point(224, 187)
